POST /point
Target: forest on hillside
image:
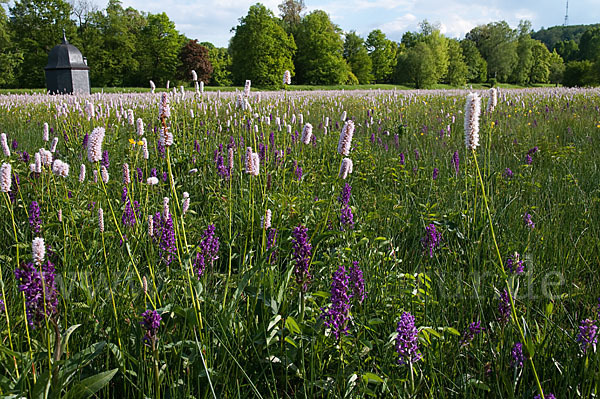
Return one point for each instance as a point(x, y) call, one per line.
point(125, 47)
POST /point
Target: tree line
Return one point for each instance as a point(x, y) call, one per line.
point(126, 47)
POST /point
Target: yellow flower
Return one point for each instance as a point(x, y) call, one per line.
point(493, 124)
point(131, 141)
point(140, 142)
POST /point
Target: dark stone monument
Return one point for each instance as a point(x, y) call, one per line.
point(67, 71)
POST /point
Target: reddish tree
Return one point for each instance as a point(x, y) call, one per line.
point(194, 56)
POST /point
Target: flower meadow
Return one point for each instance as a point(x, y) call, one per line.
point(396, 244)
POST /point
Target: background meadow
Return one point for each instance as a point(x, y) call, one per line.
point(239, 317)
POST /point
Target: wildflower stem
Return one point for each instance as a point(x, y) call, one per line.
point(9, 205)
point(112, 295)
point(8, 321)
point(230, 243)
point(156, 370)
point(508, 289)
point(121, 235)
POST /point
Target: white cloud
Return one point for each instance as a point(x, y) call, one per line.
point(202, 20)
point(377, 4)
point(525, 14)
point(401, 24)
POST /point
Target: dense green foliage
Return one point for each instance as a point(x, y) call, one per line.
point(160, 45)
point(417, 65)
point(126, 47)
point(290, 13)
point(10, 56)
point(382, 52)
point(551, 37)
point(36, 26)
point(220, 60)
point(476, 64)
point(357, 57)
point(320, 57)
point(497, 43)
point(260, 48)
point(457, 67)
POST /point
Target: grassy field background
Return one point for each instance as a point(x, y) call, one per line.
point(475, 86)
point(239, 324)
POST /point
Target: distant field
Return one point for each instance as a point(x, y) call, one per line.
point(475, 86)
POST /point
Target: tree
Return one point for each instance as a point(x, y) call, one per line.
point(551, 36)
point(194, 57)
point(596, 71)
point(579, 73)
point(290, 11)
point(113, 46)
point(320, 51)
point(540, 70)
point(159, 49)
point(417, 65)
point(522, 69)
point(83, 10)
point(556, 67)
point(457, 68)
point(383, 53)
point(357, 57)
point(221, 63)
point(589, 45)
point(427, 67)
point(497, 43)
point(88, 34)
point(476, 65)
point(10, 58)
point(524, 28)
point(409, 39)
point(261, 50)
point(567, 49)
point(38, 26)
point(438, 44)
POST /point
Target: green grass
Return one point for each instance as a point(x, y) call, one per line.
point(476, 86)
point(244, 329)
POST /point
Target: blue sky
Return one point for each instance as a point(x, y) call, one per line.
point(212, 20)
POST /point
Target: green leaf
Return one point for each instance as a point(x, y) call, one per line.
point(433, 332)
point(42, 386)
point(273, 322)
point(452, 330)
point(81, 359)
point(291, 342)
point(322, 294)
point(530, 346)
point(283, 287)
point(370, 377)
point(242, 286)
point(292, 326)
point(68, 334)
point(90, 385)
point(478, 384)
